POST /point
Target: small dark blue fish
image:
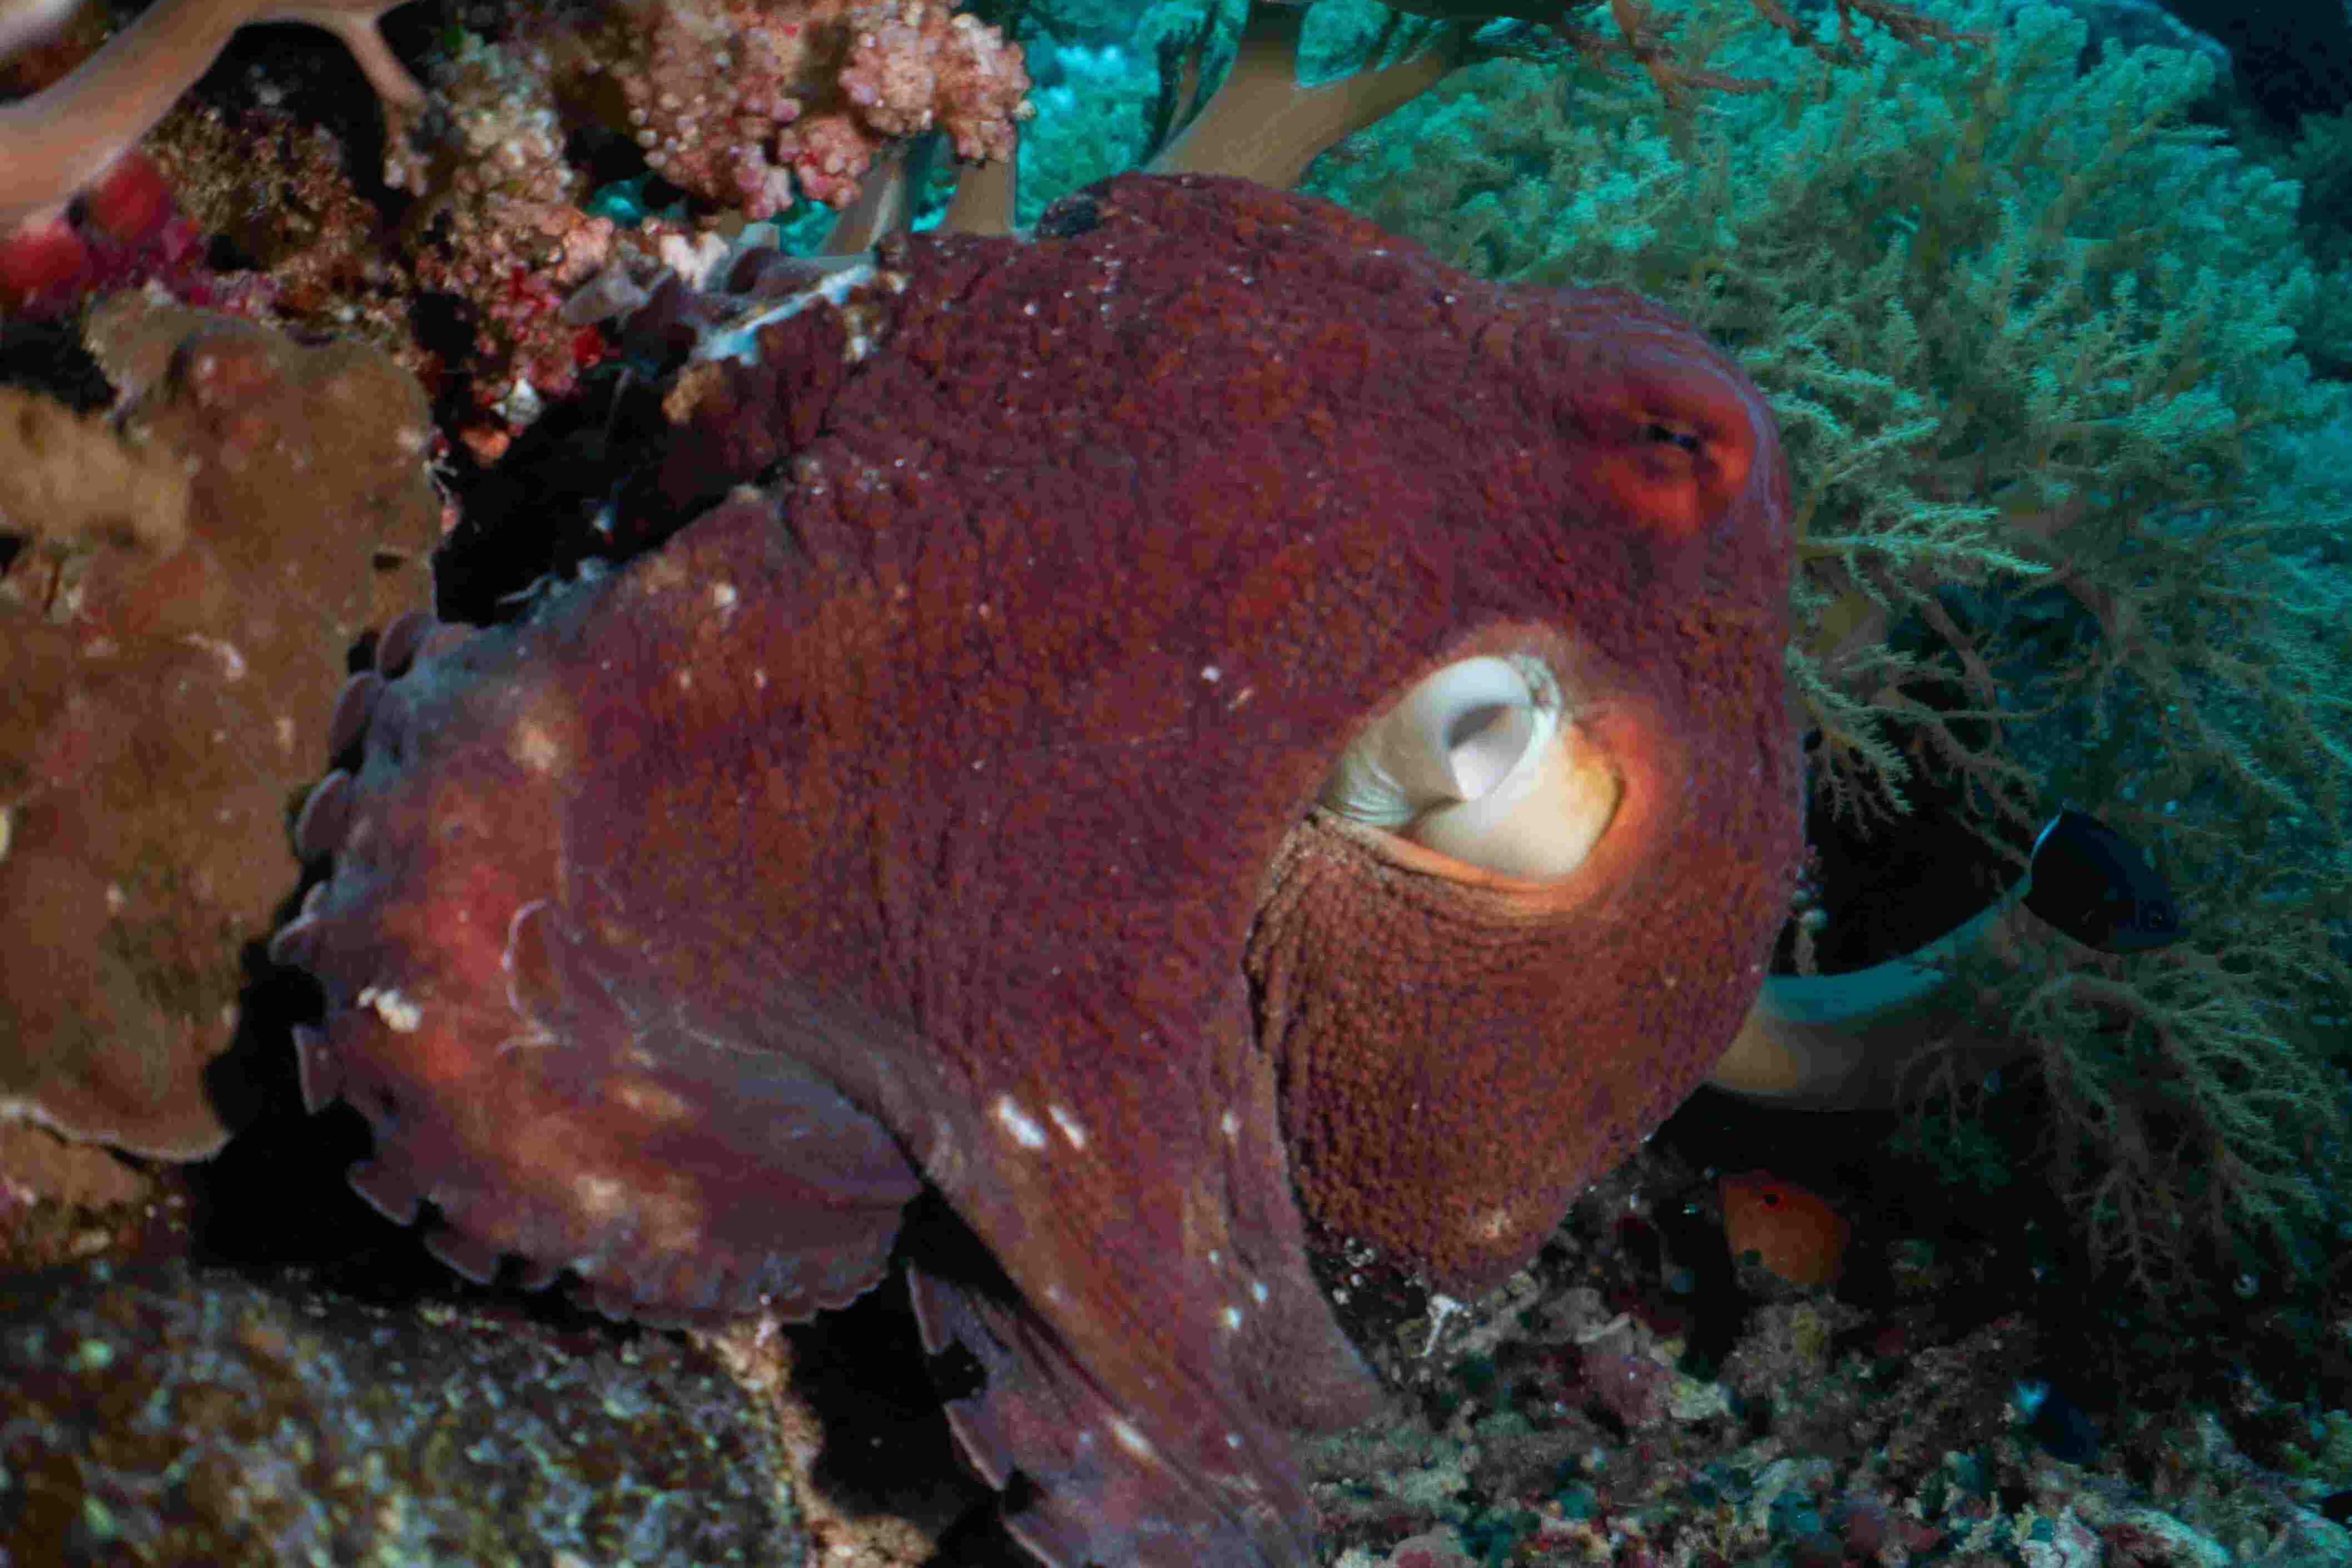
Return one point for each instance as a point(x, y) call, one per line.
point(2094, 885)
point(2056, 1422)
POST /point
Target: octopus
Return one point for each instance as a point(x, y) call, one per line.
point(1202, 741)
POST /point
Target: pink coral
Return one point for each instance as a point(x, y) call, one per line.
point(507, 239)
point(745, 102)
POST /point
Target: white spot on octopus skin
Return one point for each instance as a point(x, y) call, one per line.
point(651, 1101)
point(1069, 1124)
point(1019, 1123)
point(741, 341)
point(533, 745)
point(1233, 1317)
point(1258, 1291)
point(1127, 1438)
point(1230, 1124)
point(723, 595)
point(401, 1015)
point(600, 1196)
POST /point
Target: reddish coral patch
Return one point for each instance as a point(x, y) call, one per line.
point(129, 202)
point(41, 261)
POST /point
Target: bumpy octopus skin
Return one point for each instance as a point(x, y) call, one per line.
point(944, 813)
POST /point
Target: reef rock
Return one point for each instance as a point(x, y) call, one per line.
point(176, 612)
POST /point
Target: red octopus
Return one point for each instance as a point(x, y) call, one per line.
point(1219, 742)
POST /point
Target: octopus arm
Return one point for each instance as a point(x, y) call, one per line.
point(1150, 1339)
point(1098, 1491)
point(523, 1069)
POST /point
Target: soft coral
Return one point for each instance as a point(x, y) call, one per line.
point(60, 140)
point(124, 229)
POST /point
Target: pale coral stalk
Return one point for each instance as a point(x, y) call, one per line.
point(23, 23)
point(61, 139)
point(1263, 124)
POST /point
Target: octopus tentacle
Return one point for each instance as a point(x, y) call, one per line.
point(515, 1073)
point(1101, 1494)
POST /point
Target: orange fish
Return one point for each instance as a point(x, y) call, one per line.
point(1792, 1232)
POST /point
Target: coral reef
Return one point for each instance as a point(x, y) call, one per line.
point(802, 98)
point(163, 1415)
point(72, 483)
point(2031, 329)
point(751, 103)
point(66, 136)
point(1624, 1407)
point(499, 227)
point(174, 620)
point(125, 230)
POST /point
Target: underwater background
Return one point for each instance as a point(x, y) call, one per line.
point(2056, 323)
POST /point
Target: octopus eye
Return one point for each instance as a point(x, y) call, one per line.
point(1482, 763)
point(1672, 458)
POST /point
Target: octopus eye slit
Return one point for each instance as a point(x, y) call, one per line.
point(1672, 433)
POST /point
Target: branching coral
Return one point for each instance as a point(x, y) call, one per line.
point(1275, 107)
point(746, 103)
point(2191, 1124)
point(1643, 35)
